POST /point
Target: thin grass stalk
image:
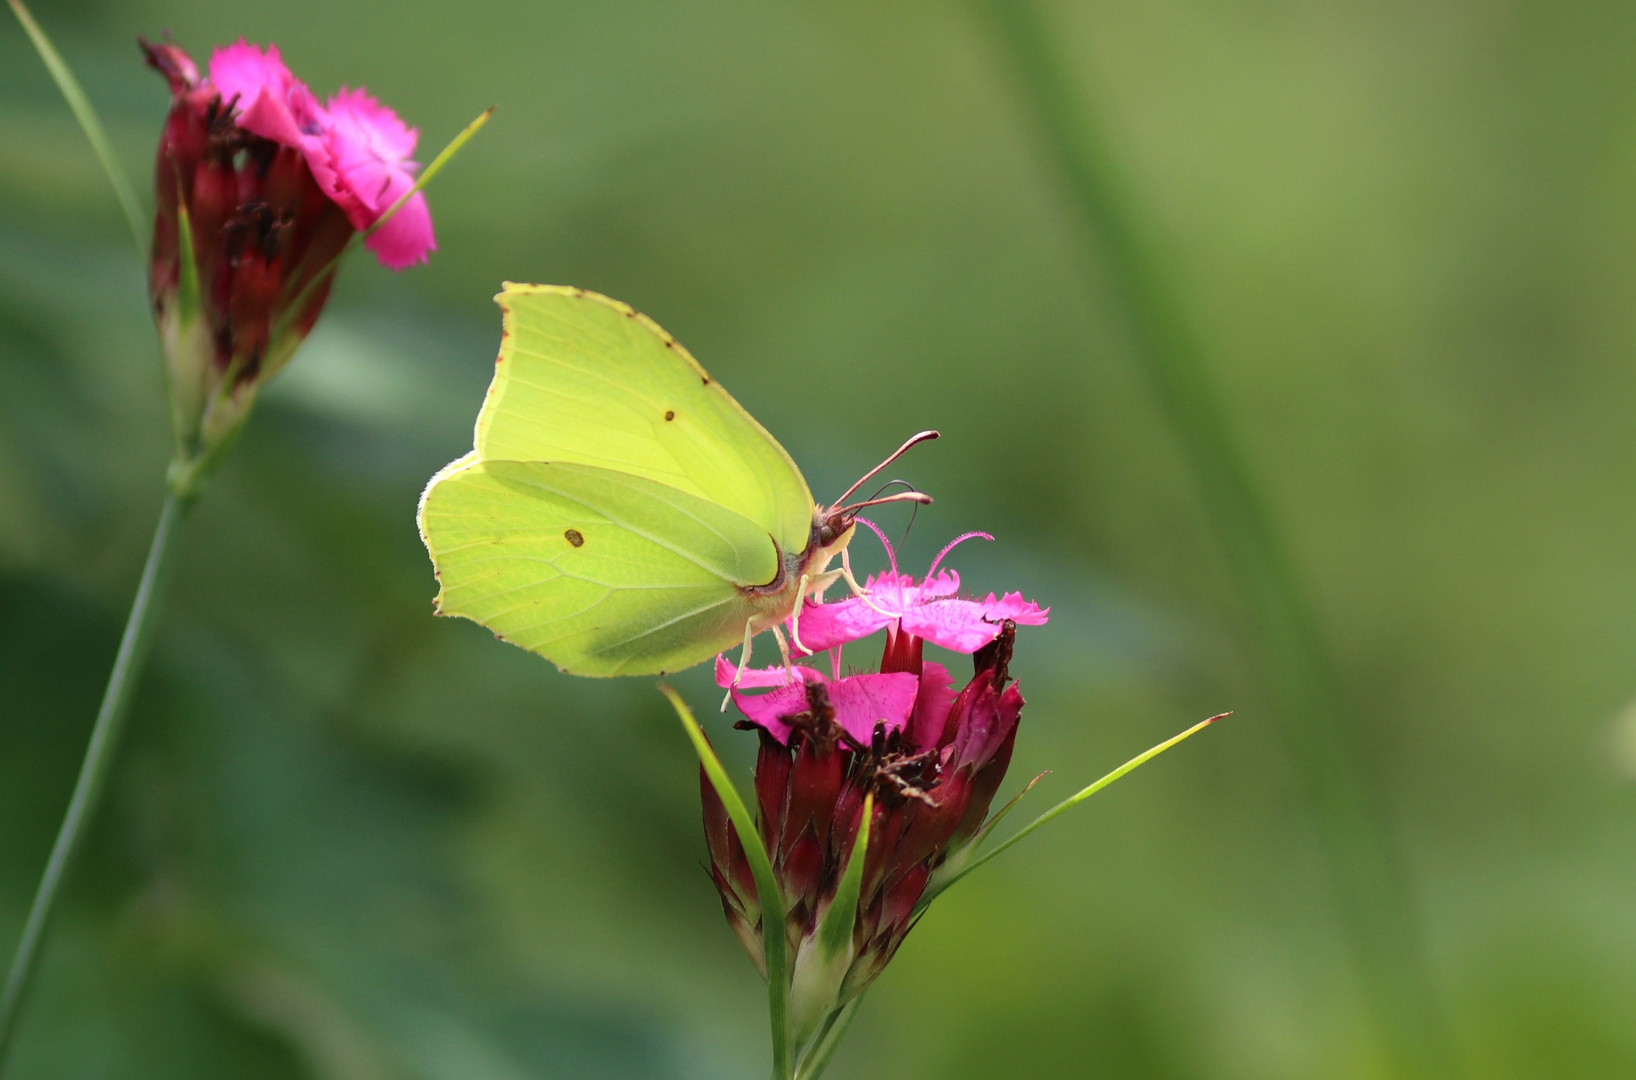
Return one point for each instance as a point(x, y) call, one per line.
point(74, 94)
point(1367, 879)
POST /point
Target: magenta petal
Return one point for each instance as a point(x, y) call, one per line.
point(407, 238)
point(1012, 606)
point(967, 625)
point(932, 705)
point(242, 70)
point(824, 626)
point(370, 147)
point(386, 135)
point(946, 583)
point(756, 678)
point(269, 100)
point(959, 625)
point(769, 710)
point(862, 701)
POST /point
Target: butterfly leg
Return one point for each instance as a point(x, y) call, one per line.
point(743, 662)
point(845, 574)
point(784, 648)
point(795, 618)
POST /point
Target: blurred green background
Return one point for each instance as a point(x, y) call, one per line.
point(346, 840)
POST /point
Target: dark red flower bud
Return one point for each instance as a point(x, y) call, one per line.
point(244, 245)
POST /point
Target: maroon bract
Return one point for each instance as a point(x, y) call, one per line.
point(269, 185)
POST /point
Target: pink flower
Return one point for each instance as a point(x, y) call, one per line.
point(929, 609)
point(272, 186)
point(358, 149)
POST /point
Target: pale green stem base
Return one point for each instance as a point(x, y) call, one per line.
point(99, 755)
point(828, 1042)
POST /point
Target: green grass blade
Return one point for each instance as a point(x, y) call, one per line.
point(1072, 801)
point(772, 902)
point(188, 302)
point(87, 116)
point(822, 962)
point(988, 826)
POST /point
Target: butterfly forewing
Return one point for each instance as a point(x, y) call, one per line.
point(585, 379)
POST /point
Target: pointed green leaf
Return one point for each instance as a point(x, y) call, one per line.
point(772, 902)
point(988, 826)
point(1063, 806)
point(442, 159)
point(188, 304)
point(835, 932)
point(821, 965)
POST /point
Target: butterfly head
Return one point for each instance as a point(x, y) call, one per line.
point(832, 533)
point(833, 526)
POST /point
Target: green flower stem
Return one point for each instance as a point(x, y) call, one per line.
point(99, 756)
point(86, 115)
point(1372, 893)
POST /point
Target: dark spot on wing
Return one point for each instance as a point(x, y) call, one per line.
point(573, 536)
point(705, 379)
point(670, 414)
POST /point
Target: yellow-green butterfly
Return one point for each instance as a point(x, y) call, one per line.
point(621, 514)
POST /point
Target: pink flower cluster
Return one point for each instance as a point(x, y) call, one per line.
point(932, 758)
point(358, 149)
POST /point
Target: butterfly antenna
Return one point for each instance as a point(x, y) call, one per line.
point(920, 437)
point(904, 541)
point(903, 496)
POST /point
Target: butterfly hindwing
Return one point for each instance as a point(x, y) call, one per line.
point(603, 572)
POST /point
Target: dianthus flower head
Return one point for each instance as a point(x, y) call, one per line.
point(927, 759)
point(259, 187)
